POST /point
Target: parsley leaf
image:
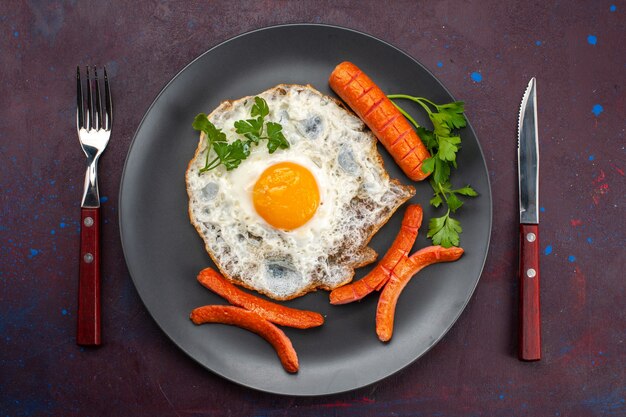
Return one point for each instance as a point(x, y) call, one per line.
point(454, 203)
point(250, 128)
point(443, 145)
point(232, 154)
point(237, 152)
point(214, 136)
point(444, 230)
point(467, 191)
point(454, 114)
point(202, 123)
point(428, 137)
point(428, 165)
point(260, 108)
point(275, 137)
point(448, 147)
point(440, 124)
point(442, 171)
point(436, 200)
point(221, 150)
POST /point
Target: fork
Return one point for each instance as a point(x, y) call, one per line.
point(94, 129)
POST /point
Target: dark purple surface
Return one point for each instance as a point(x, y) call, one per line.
point(483, 52)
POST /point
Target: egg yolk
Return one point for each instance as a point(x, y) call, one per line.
point(286, 195)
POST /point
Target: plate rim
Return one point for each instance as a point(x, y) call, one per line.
point(134, 140)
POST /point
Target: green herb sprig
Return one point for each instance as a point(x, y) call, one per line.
point(443, 145)
point(254, 130)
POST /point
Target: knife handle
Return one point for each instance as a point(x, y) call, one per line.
point(88, 333)
point(529, 311)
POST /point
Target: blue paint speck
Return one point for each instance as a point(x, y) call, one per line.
point(16, 34)
point(548, 250)
point(592, 39)
point(501, 396)
point(3, 228)
point(571, 258)
point(440, 64)
point(591, 157)
point(477, 77)
point(538, 43)
point(62, 225)
point(597, 109)
point(613, 8)
point(589, 240)
point(32, 253)
point(104, 199)
point(64, 312)
point(542, 209)
point(52, 232)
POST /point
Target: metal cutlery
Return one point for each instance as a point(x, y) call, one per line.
point(94, 129)
point(528, 172)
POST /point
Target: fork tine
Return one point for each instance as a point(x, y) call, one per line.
point(108, 116)
point(89, 114)
point(80, 112)
point(98, 111)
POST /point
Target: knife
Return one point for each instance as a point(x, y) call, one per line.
point(528, 173)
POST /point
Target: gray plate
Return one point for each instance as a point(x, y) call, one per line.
point(164, 253)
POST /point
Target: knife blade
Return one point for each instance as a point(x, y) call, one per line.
point(528, 175)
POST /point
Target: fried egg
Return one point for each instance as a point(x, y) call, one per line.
point(300, 218)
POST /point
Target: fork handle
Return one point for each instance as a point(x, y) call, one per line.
point(88, 333)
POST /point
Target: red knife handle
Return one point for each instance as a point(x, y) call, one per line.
point(89, 278)
point(529, 309)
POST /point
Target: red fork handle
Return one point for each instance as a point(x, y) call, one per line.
point(88, 333)
point(529, 308)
